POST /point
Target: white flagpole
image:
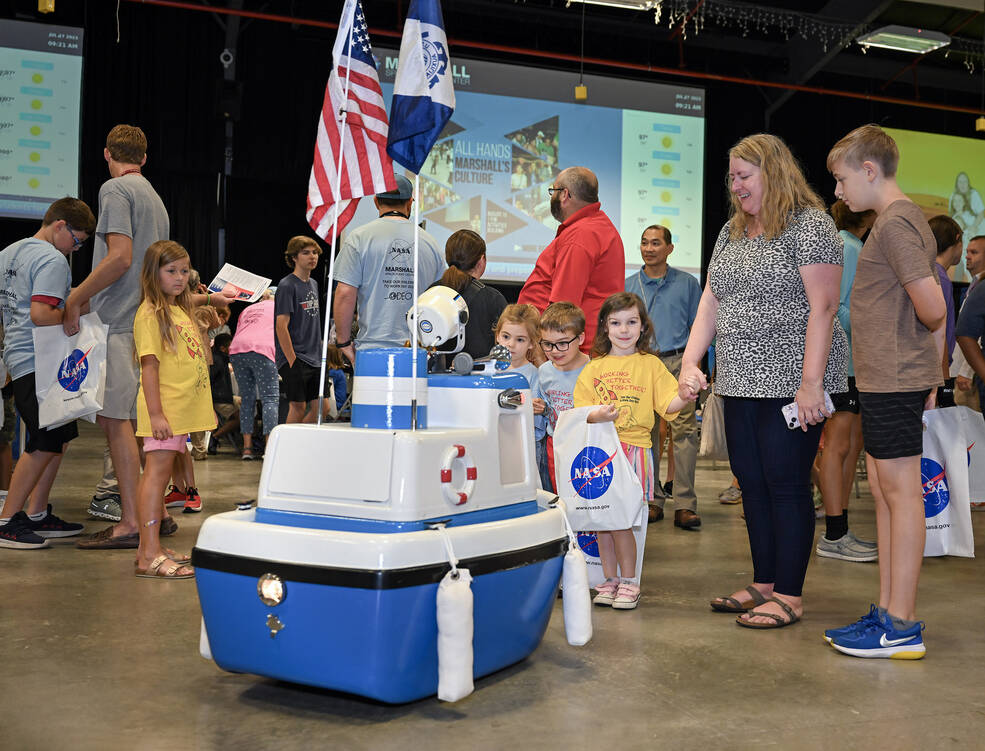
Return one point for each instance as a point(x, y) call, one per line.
point(417, 234)
point(343, 117)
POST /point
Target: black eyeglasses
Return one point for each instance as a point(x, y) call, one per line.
point(559, 346)
point(75, 240)
point(552, 190)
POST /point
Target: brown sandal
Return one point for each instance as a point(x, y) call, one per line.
point(725, 604)
point(778, 620)
point(182, 559)
point(157, 570)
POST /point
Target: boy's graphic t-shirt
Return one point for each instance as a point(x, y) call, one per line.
point(299, 300)
point(28, 268)
point(638, 384)
point(186, 395)
point(557, 389)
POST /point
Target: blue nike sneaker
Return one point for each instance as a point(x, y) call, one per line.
point(880, 639)
point(861, 623)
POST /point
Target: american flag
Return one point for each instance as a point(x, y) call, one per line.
point(366, 168)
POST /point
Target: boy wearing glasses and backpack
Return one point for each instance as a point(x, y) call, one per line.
point(562, 332)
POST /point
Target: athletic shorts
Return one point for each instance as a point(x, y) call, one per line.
point(38, 438)
point(892, 424)
point(847, 401)
point(9, 418)
point(122, 378)
point(300, 381)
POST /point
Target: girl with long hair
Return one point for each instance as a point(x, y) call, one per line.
point(629, 382)
point(175, 396)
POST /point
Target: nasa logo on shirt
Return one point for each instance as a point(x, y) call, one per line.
point(591, 472)
point(936, 495)
point(73, 370)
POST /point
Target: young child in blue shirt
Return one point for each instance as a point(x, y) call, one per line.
point(562, 332)
point(518, 329)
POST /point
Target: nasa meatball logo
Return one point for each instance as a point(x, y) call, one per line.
point(426, 327)
point(589, 544)
point(591, 472)
point(73, 370)
point(936, 495)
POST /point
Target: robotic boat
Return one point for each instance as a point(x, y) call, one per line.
point(331, 579)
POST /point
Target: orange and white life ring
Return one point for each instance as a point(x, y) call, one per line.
point(457, 495)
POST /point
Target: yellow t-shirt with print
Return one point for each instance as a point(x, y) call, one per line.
point(186, 394)
point(638, 384)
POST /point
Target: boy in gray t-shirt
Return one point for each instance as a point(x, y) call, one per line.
point(35, 279)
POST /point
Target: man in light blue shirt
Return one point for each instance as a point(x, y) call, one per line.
point(671, 298)
point(375, 272)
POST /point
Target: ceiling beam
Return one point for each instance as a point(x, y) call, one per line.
point(807, 58)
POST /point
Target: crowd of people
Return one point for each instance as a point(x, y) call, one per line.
point(828, 324)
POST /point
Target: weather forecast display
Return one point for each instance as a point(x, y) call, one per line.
point(40, 96)
point(514, 128)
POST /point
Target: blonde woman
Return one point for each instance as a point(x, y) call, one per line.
point(771, 298)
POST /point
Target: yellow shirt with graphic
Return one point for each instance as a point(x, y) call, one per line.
point(186, 394)
point(638, 384)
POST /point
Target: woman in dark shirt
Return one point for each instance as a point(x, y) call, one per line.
point(465, 253)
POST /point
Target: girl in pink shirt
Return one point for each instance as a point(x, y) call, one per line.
point(252, 356)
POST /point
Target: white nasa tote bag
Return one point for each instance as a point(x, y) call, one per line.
point(594, 478)
point(70, 371)
point(571, 439)
point(974, 434)
point(944, 474)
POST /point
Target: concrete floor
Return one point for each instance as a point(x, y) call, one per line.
point(94, 658)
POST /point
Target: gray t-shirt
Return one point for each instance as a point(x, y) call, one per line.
point(378, 258)
point(761, 323)
point(129, 206)
point(27, 268)
point(299, 300)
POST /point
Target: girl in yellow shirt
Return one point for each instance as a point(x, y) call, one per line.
point(175, 397)
point(629, 383)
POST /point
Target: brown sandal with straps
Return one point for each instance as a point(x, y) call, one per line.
point(725, 604)
point(157, 570)
point(778, 620)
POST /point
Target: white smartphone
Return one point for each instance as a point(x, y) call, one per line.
point(790, 411)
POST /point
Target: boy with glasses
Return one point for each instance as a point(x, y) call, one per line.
point(35, 278)
point(562, 332)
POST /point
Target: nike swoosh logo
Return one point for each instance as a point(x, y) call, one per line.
point(893, 642)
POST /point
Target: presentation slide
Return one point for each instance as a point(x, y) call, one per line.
point(945, 175)
point(40, 98)
point(514, 128)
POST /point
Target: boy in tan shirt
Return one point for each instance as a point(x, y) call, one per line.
point(898, 316)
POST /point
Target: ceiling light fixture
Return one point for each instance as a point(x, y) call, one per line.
point(628, 4)
point(904, 39)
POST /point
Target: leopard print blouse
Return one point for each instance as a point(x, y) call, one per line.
point(762, 314)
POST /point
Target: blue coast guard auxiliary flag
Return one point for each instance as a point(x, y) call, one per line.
point(423, 96)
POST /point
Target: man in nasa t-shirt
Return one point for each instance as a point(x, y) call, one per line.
point(375, 271)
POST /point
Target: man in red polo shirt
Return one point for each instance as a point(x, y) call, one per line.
point(585, 263)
